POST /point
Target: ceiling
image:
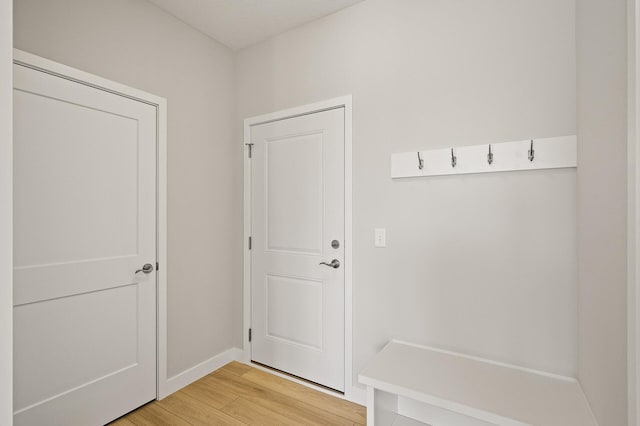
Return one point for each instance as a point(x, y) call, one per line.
point(241, 23)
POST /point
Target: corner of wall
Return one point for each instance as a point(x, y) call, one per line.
point(603, 210)
point(6, 212)
point(180, 380)
point(633, 302)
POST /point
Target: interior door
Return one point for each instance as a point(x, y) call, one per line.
point(84, 226)
point(297, 271)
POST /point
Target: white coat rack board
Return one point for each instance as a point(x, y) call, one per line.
point(533, 154)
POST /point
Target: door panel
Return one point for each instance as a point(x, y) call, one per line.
point(294, 310)
point(294, 195)
point(84, 223)
point(58, 335)
point(100, 208)
point(297, 210)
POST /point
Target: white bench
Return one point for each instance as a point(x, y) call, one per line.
point(407, 382)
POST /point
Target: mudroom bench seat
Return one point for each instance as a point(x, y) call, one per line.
point(409, 384)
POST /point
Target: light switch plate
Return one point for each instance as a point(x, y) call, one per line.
point(380, 237)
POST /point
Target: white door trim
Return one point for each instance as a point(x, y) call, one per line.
point(633, 209)
point(63, 71)
point(351, 392)
point(6, 212)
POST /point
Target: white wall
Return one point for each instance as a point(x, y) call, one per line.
point(6, 213)
point(602, 208)
point(484, 264)
point(135, 43)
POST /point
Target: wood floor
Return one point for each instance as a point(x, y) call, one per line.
point(238, 394)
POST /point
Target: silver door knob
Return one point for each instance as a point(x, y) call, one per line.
point(335, 264)
point(147, 269)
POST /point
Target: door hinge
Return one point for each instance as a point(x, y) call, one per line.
point(250, 148)
point(249, 243)
point(157, 266)
point(249, 334)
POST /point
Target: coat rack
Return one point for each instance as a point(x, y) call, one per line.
point(533, 154)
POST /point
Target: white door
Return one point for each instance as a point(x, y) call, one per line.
point(85, 222)
point(297, 212)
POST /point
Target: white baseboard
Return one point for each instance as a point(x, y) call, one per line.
point(177, 382)
point(198, 371)
point(357, 395)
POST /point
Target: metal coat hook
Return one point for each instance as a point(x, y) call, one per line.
point(490, 155)
point(531, 152)
point(420, 162)
point(454, 159)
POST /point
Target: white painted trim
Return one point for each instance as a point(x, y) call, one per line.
point(64, 71)
point(352, 392)
point(6, 212)
point(55, 68)
point(161, 246)
point(633, 217)
point(200, 370)
point(357, 395)
point(342, 101)
point(246, 275)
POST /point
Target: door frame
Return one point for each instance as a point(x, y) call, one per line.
point(63, 71)
point(351, 392)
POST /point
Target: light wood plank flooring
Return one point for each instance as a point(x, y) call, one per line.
point(238, 394)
